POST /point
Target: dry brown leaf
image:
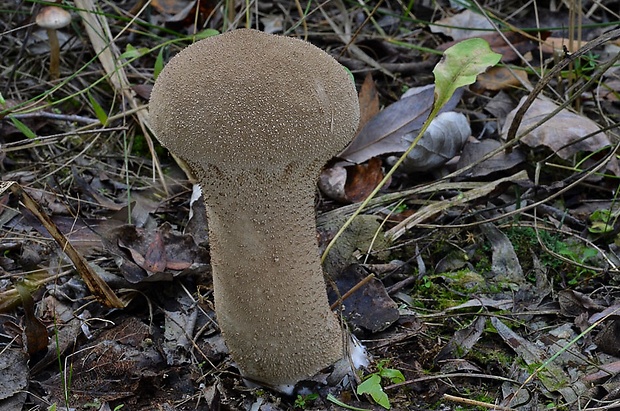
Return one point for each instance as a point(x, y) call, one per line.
point(369, 100)
point(352, 183)
point(499, 78)
point(556, 45)
point(362, 179)
point(474, 150)
point(563, 133)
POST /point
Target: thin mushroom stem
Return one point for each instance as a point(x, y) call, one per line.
point(54, 54)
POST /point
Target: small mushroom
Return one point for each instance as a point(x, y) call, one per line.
point(256, 116)
point(53, 18)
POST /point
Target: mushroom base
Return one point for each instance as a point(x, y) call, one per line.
point(341, 374)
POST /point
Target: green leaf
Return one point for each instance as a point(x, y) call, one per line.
point(589, 252)
point(205, 33)
point(24, 129)
point(159, 64)
point(600, 227)
point(372, 387)
point(102, 116)
point(131, 52)
point(460, 65)
point(395, 376)
point(603, 216)
point(2, 101)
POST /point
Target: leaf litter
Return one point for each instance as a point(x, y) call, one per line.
point(488, 277)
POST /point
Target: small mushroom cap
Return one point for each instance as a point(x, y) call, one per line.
point(247, 100)
point(52, 17)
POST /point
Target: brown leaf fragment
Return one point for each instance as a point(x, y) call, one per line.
point(566, 133)
point(184, 11)
point(462, 341)
point(369, 100)
point(155, 257)
point(556, 45)
point(363, 179)
point(118, 363)
point(505, 265)
point(606, 371)
point(34, 331)
point(351, 184)
point(143, 90)
point(552, 376)
point(463, 25)
point(612, 311)
point(499, 78)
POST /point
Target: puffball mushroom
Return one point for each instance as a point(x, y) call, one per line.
point(256, 116)
point(53, 18)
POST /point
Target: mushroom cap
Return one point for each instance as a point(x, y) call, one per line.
point(247, 100)
point(52, 17)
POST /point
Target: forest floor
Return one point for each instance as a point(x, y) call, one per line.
point(489, 262)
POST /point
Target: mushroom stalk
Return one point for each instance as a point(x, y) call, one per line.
point(268, 283)
point(256, 116)
point(54, 54)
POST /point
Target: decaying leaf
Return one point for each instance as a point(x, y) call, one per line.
point(505, 266)
point(384, 133)
point(118, 362)
point(362, 236)
point(183, 11)
point(462, 341)
point(564, 133)
point(443, 140)
point(557, 44)
point(369, 100)
point(154, 255)
point(464, 25)
point(476, 150)
point(499, 78)
point(369, 307)
point(179, 326)
point(351, 184)
point(434, 208)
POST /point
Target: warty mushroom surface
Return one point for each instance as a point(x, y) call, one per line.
point(256, 116)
